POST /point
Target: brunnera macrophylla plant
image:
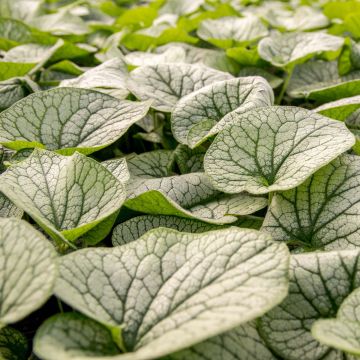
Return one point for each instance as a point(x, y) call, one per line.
point(179, 180)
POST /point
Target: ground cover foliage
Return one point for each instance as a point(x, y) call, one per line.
point(179, 180)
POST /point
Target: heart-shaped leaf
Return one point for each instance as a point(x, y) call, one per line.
point(179, 288)
point(28, 270)
point(319, 282)
point(320, 81)
point(274, 148)
point(167, 83)
point(322, 212)
point(45, 119)
point(286, 50)
point(202, 113)
point(232, 31)
point(341, 333)
point(13, 32)
point(66, 195)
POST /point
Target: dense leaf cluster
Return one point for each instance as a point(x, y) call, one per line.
point(179, 179)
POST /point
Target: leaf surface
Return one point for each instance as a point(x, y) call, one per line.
point(68, 120)
point(319, 282)
point(28, 269)
point(178, 289)
point(202, 113)
point(274, 148)
point(167, 83)
point(66, 195)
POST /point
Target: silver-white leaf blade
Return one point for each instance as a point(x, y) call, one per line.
point(319, 282)
point(274, 148)
point(179, 289)
point(68, 119)
point(165, 84)
point(66, 195)
point(212, 103)
point(28, 269)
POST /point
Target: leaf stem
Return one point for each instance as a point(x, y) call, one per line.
point(285, 85)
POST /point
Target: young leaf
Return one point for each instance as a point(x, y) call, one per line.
point(274, 148)
point(13, 344)
point(320, 81)
point(72, 335)
point(28, 269)
point(319, 282)
point(342, 332)
point(286, 50)
point(68, 120)
point(167, 83)
point(322, 212)
point(202, 113)
point(179, 288)
point(66, 195)
point(232, 31)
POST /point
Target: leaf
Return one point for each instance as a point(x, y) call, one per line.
point(231, 31)
point(119, 168)
point(342, 332)
point(272, 79)
point(181, 7)
point(149, 165)
point(140, 58)
point(68, 120)
point(274, 148)
point(61, 23)
point(13, 344)
point(28, 270)
point(245, 56)
point(72, 335)
point(15, 89)
point(202, 113)
point(66, 195)
point(179, 288)
point(340, 9)
point(244, 342)
point(339, 109)
point(286, 50)
point(321, 212)
point(109, 78)
point(302, 19)
point(319, 282)
point(13, 33)
point(167, 83)
point(189, 196)
point(33, 53)
point(10, 70)
point(134, 228)
point(213, 58)
point(320, 81)
point(189, 160)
